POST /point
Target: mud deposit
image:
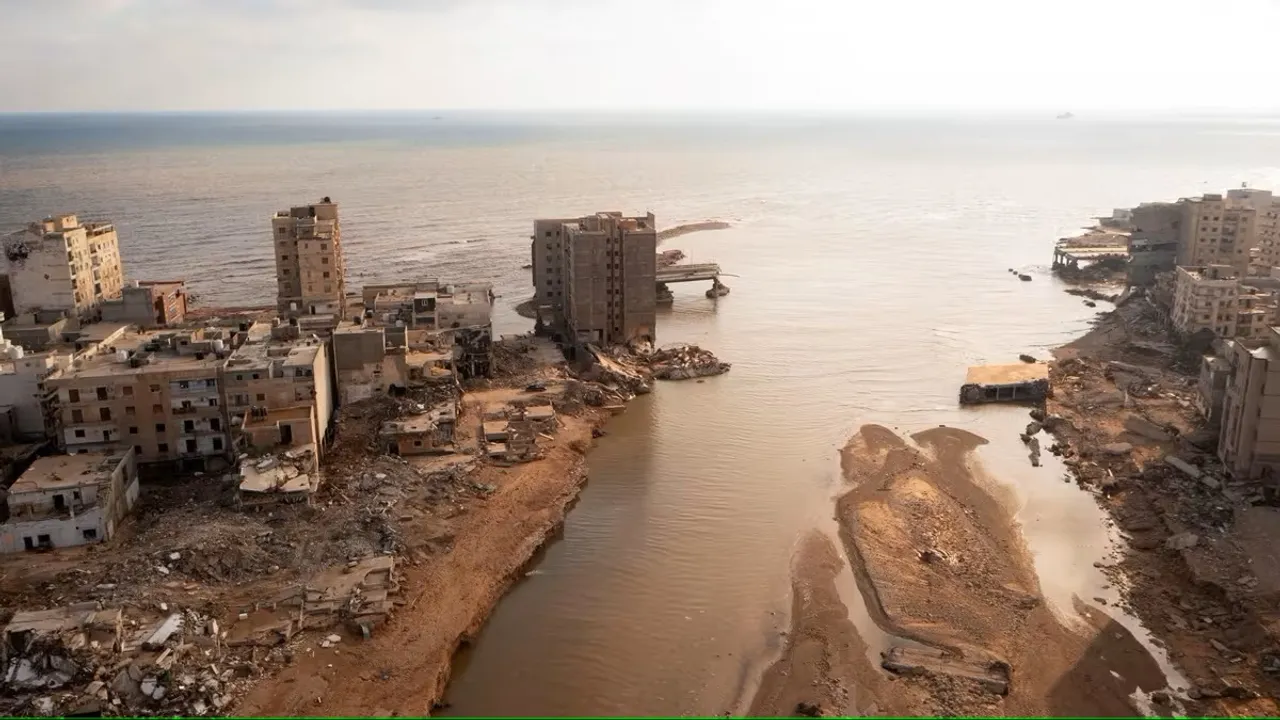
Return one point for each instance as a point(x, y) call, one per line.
point(944, 569)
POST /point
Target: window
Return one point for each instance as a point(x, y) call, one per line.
point(127, 390)
point(184, 385)
point(255, 376)
point(73, 395)
point(326, 274)
point(159, 427)
point(155, 388)
point(191, 446)
point(284, 257)
point(324, 261)
point(77, 416)
point(213, 402)
point(104, 413)
point(162, 447)
point(285, 272)
point(261, 397)
point(283, 230)
point(79, 433)
point(133, 430)
point(189, 425)
point(90, 533)
point(215, 424)
point(324, 246)
point(102, 393)
point(130, 410)
point(157, 409)
point(211, 383)
point(217, 443)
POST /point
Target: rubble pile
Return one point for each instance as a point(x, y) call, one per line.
point(684, 362)
point(1105, 270)
point(513, 356)
point(85, 659)
point(667, 258)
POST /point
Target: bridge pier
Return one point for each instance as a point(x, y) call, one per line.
point(718, 289)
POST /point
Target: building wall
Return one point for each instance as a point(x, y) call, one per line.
point(1223, 230)
point(111, 500)
point(20, 387)
point(164, 413)
point(310, 266)
point(547, 257)
point(610, 279)
point(1206, 297)
point(62, 264)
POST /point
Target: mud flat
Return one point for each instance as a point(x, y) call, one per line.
point(944, 570)
point(687, 228)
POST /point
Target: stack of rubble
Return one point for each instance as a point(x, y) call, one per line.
point(683, 362)
point(667, 258)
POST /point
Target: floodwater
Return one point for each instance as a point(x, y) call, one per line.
point(872, 267)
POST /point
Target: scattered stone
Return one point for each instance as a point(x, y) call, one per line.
point(1027, 358)
point(1117, 448)
point(804, 709)
point(1182, 541)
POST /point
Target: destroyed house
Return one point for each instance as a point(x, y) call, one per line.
point(69, 500)
point(45, 649)
point(426, 432)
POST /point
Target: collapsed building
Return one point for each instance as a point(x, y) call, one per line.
point(431, 431)
point(414, 335)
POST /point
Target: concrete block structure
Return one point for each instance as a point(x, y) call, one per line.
point(310, 265)
point(61, 264)
point(159, 392)
point(1249, 441)
point(149, 305)
point(279, 389)
point(69, 500)
point(1216, 298)
point(1153, 240)
point(596, 277)
point(1236, 229)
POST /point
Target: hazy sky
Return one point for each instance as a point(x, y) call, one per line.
point(632, 54)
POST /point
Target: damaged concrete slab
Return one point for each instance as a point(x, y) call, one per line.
point(1017, 382)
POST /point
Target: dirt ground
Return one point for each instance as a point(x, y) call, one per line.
point(942, 566)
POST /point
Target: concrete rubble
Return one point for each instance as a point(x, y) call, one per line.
point(684, 362)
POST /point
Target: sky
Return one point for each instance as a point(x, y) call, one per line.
point(637, 55)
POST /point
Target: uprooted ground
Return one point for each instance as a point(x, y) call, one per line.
point(1199, 570)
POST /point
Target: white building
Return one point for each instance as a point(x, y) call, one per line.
point(62, 264)
point(68, 500)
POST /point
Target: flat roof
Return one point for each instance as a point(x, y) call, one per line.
point(67, 471)
point(1011, 374)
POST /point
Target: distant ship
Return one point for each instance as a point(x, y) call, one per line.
point(1066, 116)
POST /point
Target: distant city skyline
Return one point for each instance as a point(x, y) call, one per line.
point(622, 55)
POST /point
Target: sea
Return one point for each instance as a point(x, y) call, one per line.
point(869, 264)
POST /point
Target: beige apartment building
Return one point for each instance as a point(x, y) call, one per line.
point(310, 269)
point(1249, 443)
point(159, 392)
point(279, 389)
point(1218, 299)
point(61, 264)
point(596, 277)
point(1237, 229)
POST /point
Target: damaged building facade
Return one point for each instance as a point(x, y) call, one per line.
point(414, 335)
point(159, 392)
point(69, 500)
point(596, 277)
point(149, 304)
point(280, 389)
point(1217, 299)
point(311, 283)
point(61, 264)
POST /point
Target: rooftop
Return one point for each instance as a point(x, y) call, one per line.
point(155, 351)
point(67, 471)
point(1006, 374)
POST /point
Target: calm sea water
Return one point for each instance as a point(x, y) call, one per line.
point(872, 261)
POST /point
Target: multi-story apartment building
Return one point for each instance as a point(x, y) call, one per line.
point(597, 277)
point(159, 392)
point(62, 264)
point(279, 389)
point(69, 500)
point(1218, 299)
point(311, 281)
point(1249, 442)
